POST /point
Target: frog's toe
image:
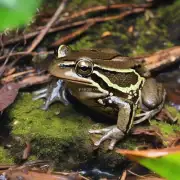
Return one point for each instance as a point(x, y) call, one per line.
point(45, 107)
point(39, 97)
point(42, 93)
point(112, 144)
point(99, 131)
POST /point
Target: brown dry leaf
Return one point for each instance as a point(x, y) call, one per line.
point(8, 94)
point(130, 29)
point(151, 153)
point(106, 33)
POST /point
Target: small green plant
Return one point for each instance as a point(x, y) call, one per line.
point(14, 13)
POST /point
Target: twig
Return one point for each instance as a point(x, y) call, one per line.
point(124, 175)
point(32, 80)
point(15, 75)
point(73, 24)
point(102, 8)
point(49, 24)
point(93, 21)
point(26, 53)
point(3, 67)
point(72, 35)
point(32, 34)
point(135, 174)
point(9, 71)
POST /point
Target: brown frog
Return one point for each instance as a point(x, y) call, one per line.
point(110, 83)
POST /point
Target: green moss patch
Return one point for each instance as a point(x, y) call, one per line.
point(5, 157)
point(52, 136)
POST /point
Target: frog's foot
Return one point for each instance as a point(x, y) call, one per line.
point(55, 92)
point(112, 133)
point(147, 115)
point(143, 117)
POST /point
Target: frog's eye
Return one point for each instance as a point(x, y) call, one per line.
point(84, 67)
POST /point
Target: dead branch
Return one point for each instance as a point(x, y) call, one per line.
point(162, 58)
point(93, 21)
point(49, 24)
point(102, 8)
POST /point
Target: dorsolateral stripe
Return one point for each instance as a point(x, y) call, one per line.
point(122, 89)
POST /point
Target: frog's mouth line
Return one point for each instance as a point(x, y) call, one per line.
point(77, 81)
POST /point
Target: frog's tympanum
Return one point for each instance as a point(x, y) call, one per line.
point(110, 83)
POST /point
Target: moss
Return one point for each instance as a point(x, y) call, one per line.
point(173, 112)
point(165, 128)
point(5, 157)
point(51, 136)
point(85, 42)
point(28, 118)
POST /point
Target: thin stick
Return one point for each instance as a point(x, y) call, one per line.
point(92, 21)
point(72, 35)
point(162, 58)
point(49, 24)
point(32, 80)
point(15, 75)
point(102, 8)
point(26, 53)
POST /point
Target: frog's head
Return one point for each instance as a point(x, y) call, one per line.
point(73, 70)
point(73, 66)
point(107, 71)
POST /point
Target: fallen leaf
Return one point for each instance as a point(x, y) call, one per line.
point(151, 153)
point(8, 94)
point(130, 29)
point(165, 162)
point(106, 33)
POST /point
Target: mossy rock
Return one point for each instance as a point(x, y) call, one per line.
point(59, 135)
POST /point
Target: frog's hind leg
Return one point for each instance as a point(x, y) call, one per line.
point(152, 100)
point(125, 117)
point(55, 92)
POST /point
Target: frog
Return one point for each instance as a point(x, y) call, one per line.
point(108, 82)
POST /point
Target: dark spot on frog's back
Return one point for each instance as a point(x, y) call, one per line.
point(123, 79)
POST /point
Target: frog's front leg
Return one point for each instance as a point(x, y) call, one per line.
point(56, 91)
point(124, 121)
